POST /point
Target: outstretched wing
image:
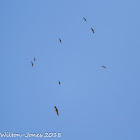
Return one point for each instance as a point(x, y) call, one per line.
point(84, 19)
point(60, 40)
point(56, 110)
point(92, 30)
point(32, 63)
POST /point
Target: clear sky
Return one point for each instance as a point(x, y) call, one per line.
point(93, 103)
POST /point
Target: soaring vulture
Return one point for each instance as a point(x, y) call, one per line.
point(56, 110)
point(59, 82)
point(32, 63)
point(92, 30)
point(103, 66)
point(84, 19)
point(60, 40)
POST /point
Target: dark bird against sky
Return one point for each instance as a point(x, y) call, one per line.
point(56, 110)
point(84, 19)
point(34, 59)
point(92, 30)
point(60, 40)
point(32, 63)
point(59, 82)
point(103, 66)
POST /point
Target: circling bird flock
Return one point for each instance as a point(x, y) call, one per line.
point(59, 81)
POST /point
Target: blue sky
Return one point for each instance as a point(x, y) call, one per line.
point(93, 103)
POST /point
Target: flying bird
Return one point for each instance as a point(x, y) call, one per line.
point(60, 40)
point(59, 82)
point(32, 63)
point(56, 110)
point(92, 30)
point(103, 66)
point(84, 19)
point(34, 59)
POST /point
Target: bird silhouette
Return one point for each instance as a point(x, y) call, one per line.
point(56, 110)
point(103, 66)
point(84, 19)
point(60, 40)
point(92, 30)
point(34, 59)
point(59, 82)
point(32, 63)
